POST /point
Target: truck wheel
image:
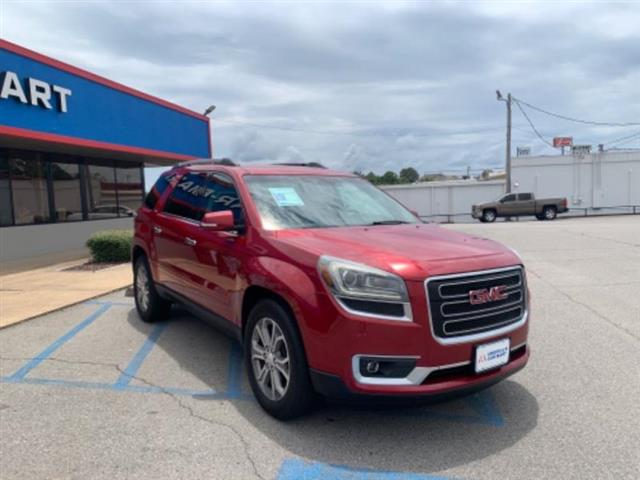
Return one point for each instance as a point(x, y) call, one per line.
point(549, 213)
point(151, 306)
point(489, 215)
point(276, 362)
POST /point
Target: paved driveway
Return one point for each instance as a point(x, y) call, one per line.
point(92, 392)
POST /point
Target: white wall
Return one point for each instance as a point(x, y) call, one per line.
point(596, 180)
point(447, 201)
point(23, 242)
point(600, 180)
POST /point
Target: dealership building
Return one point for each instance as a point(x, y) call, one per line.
point(72, 150)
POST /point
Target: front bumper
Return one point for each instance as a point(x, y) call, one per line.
point(335, 338)
point(444, 388)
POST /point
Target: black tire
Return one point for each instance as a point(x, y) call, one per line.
point(298, 397)
point(489, 215)
point(155, 308)
point(549, 213)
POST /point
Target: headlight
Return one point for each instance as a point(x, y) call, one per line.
point(355, 280)
point(365, 290)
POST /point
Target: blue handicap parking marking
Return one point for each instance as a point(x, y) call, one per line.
point(123, 381)
point(234, 374)
point(47, 352)
point(486, 408)
point(481, 408)
point(135, 364)
point(296, 469)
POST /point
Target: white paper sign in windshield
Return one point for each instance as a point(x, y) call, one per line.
point(286, 197)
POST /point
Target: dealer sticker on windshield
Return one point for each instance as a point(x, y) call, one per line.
point(286, 197)
point(492, 355)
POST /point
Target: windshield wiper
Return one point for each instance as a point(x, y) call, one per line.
point(389, 222)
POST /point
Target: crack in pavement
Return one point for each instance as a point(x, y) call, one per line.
point(585, 305)
point(181, 404)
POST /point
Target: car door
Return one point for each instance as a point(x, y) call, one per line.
point(526, 204)
point(218, 268)
point(508, 205)
point(174, 230)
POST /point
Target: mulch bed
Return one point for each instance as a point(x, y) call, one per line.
point(91, 266)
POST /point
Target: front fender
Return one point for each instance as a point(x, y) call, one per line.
point(288, 281)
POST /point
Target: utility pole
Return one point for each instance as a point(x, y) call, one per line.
point(507, 100)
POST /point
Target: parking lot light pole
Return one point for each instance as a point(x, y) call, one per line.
point(507, 100)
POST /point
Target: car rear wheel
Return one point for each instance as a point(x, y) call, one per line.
point(549, 213)
point(151, 307)
point(276, 362)
point(489, 216)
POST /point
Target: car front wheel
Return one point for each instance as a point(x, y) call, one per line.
point(276, 362)
point(489, 216)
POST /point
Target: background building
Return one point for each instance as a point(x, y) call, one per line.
point(72, 150)
point(600, 182)
point(595, 180)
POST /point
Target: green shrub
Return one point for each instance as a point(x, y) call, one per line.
point(110, 246)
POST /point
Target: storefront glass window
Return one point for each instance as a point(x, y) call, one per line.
point(65, 179)
point(6, 216)
point(101, 191)
point(130, 189)
point(29, 187)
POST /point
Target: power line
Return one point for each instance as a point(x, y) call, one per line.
point(354, 133)
point(577, 120)
point(624, 139)
point(533, 127)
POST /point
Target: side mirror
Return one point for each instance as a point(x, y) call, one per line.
point(218, 220)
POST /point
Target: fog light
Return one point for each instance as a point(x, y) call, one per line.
point(372, 367)
point(386, 367)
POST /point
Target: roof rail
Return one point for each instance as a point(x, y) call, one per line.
point(204, 161)
point(308, 164)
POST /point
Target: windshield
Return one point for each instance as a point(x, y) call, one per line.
point(311, 201)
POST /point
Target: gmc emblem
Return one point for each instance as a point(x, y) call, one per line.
point(484, 295)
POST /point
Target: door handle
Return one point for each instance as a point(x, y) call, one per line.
point(157, 229)
point(190, 241)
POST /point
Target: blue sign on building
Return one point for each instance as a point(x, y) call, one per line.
point(41, 98)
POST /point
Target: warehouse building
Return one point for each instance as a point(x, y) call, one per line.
point(72, 150)
point(602, 182)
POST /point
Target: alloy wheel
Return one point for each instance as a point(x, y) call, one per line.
point(142, 287)
point(270, 359)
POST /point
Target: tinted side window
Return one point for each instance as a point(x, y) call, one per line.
point(158, 189)
point(509, 198)
point(189, 198)
point(224, 196)
point(524, 197)
point(198, 193)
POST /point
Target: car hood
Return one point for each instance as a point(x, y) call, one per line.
point(412, 251)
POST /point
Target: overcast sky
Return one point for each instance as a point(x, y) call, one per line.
point(360, 85)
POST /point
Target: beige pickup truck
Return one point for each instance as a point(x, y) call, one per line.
point(519, 204)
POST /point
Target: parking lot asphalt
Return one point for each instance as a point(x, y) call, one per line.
point(92, 392)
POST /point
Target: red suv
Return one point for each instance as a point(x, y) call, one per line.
point(332, 286)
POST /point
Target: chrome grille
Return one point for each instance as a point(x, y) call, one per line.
point(455, 317)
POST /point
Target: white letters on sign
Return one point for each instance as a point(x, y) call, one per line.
point(37, 92)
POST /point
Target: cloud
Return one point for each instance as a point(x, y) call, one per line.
point(373, 86)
